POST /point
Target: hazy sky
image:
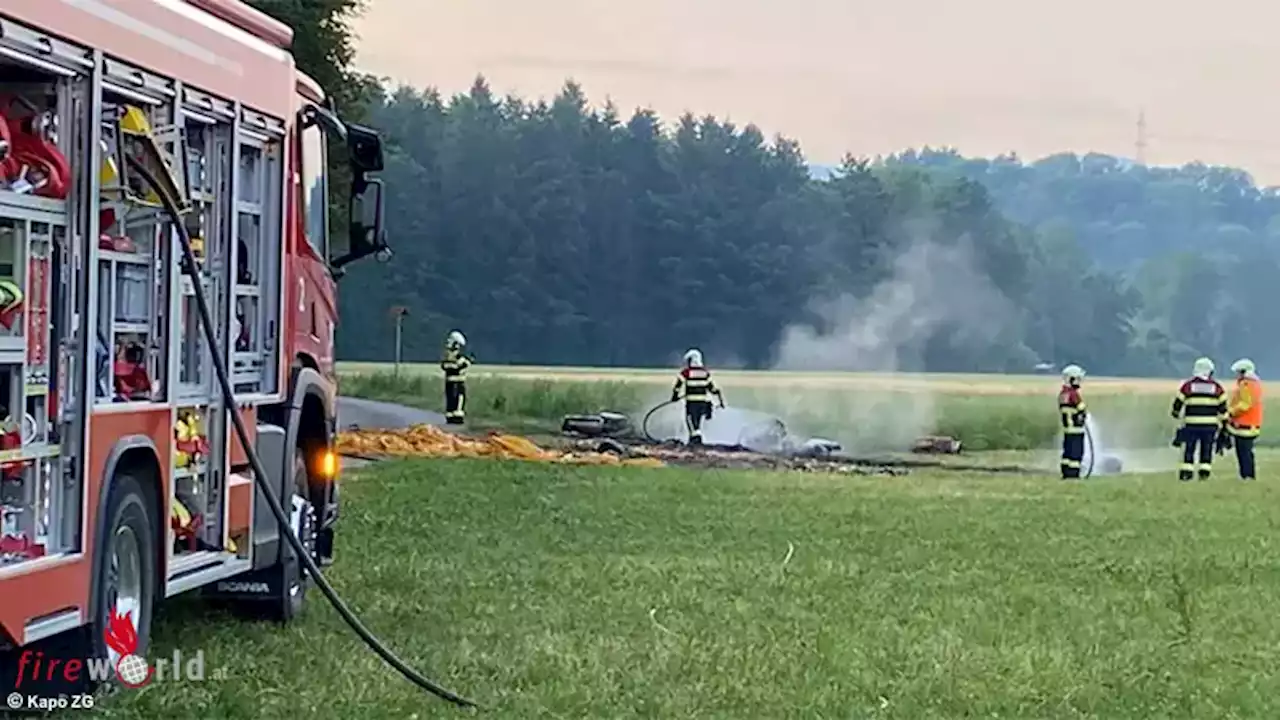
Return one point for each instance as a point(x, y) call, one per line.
point(986, 76)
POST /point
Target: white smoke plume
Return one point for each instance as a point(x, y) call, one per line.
point(933, 288)
point(935, 292)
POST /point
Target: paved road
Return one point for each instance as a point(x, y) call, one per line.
point(369, 414)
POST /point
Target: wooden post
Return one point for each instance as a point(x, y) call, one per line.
point(398, 312)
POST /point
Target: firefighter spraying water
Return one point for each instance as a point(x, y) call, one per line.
point(694, 383)
point(1072, 409)
point(1084, 451)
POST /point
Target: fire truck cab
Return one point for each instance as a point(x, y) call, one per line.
point(121, 480)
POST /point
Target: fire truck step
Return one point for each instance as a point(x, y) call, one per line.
point(190, 571)
point(51, 625)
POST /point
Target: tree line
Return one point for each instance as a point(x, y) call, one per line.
point(562, 232)
point(1196, 246)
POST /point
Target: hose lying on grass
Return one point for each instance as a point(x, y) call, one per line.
point(756, 430)
point(431, 441)
point(260, 475)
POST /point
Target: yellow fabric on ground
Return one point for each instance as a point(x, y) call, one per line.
point(432, 441)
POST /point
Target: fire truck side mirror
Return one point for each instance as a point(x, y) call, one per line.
point(364, 148)
point(366, 234)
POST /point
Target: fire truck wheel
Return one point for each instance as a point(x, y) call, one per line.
point(293, 588)
point(127, 565)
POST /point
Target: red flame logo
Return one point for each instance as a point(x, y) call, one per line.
point(121, 637)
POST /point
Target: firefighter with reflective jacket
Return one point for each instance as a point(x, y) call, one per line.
point(694, 381)
point(1072, 409)
point(1244, 409)
point(455, 365)
point(1201, 405)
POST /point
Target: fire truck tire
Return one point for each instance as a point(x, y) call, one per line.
point(294, 581)
point(127, 564)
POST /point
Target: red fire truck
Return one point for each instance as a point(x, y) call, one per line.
point(121, 482)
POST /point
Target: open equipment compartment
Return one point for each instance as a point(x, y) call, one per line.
point(233, 169)
point(114, 314)
point(198, 497)
point(257, 252)
point(185, 138)
point(134, 261)
point(45, 115)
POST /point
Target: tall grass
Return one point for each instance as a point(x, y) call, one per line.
point(497, 399)
point(859, 418)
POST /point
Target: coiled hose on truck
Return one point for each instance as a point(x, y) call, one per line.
point(260, 474)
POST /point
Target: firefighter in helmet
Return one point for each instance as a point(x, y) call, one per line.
point(1071, 407)
point(455, 365)
point(1244, 409)
point(694, 381)
point(1201, 405)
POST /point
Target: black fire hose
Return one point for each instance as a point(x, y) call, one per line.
point(259, 473)
point(776, 425)
point(644, 425)
point(1093, 456)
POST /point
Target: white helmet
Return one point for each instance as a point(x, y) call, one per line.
point(456, 339)
point(1203, 368)
point(1073, 373)
point(693, 358)
point(1243, 365)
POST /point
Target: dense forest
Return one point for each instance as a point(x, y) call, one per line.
point(1198, 245)
point(561, 233)
point(567, 232)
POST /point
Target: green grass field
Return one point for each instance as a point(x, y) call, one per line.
point(863, 411)
point(555, 591)
point(586, 592)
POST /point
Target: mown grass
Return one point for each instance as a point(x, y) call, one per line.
point(863, 412)
point(554, 591)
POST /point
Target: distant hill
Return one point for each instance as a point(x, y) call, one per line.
point(1120, 212)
